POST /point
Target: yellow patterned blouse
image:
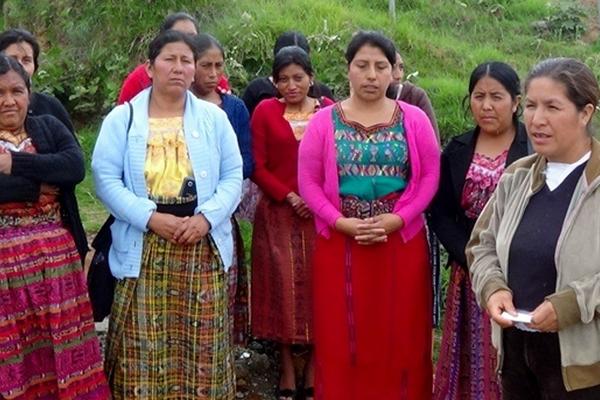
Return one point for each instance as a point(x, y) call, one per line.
point(167, 159)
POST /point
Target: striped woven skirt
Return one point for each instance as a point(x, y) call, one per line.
point(466, 367)
point(48, 346)
point(281, 289)
point(169, 334)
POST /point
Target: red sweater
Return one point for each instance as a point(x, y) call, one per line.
point(138, 80)
point(275, 149)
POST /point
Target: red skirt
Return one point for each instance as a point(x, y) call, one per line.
point(372, 319)
point(48, 346)
point(282, 251)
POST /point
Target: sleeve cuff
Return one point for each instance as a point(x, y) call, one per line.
point(141, 219)
point(566, 307)
point(492, 286)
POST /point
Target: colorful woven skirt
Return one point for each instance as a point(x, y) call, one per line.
point(282, 248)
point(465, 368)
point(48, 346)
point(169, 334)
point(372, 317)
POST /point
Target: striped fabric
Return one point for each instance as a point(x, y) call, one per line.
point(169, 335)
point(48, 346)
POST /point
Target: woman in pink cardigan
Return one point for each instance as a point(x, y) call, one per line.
point(368, 168)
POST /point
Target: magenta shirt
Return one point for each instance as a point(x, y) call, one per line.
point(318, 180)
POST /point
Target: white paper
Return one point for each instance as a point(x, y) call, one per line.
point(522, 316)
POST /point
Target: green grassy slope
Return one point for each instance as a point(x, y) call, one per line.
point(89, 45)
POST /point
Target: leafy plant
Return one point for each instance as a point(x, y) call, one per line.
point(566, 22)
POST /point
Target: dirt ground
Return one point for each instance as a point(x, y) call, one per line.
point(255, 367)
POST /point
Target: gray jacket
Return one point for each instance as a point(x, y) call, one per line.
point(577, 295)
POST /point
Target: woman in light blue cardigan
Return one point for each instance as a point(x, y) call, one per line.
point(169, 169)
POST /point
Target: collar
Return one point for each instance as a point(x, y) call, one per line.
point(591, 171)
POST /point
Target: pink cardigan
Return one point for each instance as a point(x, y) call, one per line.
point(318, 180)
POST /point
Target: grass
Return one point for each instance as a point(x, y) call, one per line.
point(84, 63)
point(442, 40)
point(93, 213)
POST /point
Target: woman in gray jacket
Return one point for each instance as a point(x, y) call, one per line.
point(534, 252)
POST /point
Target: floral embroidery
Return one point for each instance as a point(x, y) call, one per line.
point(481, 180)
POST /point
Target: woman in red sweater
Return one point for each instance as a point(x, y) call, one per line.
point(138, 79)
point(283, 235)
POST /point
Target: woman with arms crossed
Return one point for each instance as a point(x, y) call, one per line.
point(48, 346)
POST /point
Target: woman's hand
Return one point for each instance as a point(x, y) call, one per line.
point(376, 229)
point(499, 302)
point(370, 231)
point(390, 222)
point(192, 230)
point(298, 205)
point(544, 318)
point(367, 231)
point(348, 226)
point(5, 163)
point(165, 225)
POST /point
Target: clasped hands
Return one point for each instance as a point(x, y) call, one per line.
point(298, 205)
point(543, 318)
point(370, 230)
point(179, 230)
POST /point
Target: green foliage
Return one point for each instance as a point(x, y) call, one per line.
point(90, 46)
point(92, 212)
point(567, 21)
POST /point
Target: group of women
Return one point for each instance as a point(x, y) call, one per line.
point(340, 252)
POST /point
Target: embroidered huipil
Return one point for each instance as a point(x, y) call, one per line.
point(372, 162)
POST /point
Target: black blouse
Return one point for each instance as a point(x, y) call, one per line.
point(448, 220)
point(59, 162)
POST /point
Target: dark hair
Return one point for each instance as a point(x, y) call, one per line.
point(579, 80)
point(371, 38)
point(291, 55)
point(170, 36)
point(17, 35)
point(291, 38)
point(501, 72)
point(172, 19)
point(204, 42)
point(10, 64)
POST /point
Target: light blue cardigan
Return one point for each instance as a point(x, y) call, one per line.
point(118, 168)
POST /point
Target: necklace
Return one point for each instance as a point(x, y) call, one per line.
point(14, 138)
